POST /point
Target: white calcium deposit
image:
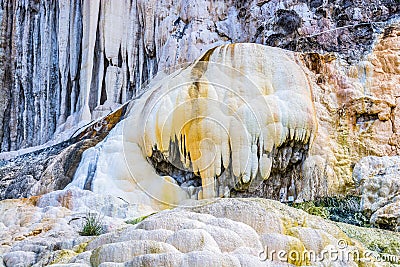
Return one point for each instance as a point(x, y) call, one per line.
point(222, 117)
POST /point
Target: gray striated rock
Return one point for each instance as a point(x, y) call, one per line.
point(51, 168)
point(42, 171)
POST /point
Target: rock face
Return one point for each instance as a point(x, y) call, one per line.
point(69, 61)
point(51, 168)
point(356, 114)
point(48, 170)
point(232, 232)
point(379, 185)
point(242, 120)
point(356, 111)
point(87, 61)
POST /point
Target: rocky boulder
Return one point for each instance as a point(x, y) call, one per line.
point(379, 185)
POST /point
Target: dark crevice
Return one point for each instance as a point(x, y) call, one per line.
point(103, 96)
point(365, 117)
point(174, 168)
point(68, 96)
point(120, 57)
point(98, 56)
point(285, 180)
point(259, 31)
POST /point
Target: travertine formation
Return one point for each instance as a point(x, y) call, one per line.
point(226, 232)
point(355, 113)
point(231, 118)
point(242, 120)
point(226, 117)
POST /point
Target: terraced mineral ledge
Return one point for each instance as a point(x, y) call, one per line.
point(220, 232)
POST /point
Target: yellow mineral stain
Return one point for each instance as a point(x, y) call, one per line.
point(221, 106)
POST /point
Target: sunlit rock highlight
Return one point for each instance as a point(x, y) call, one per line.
point(224, 125)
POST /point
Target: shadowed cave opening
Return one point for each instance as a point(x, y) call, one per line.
point(283, 184)
point(285, 180)
point(164, 167)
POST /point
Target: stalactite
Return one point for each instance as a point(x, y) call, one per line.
point(69, 61)
point(53, 68)
point(239, 121)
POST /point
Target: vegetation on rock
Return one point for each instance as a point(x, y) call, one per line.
point(339, 209)
point(384, 242)
point(139, 219)
point(93, 225)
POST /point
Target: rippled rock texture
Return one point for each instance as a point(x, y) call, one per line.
point(233, 232)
